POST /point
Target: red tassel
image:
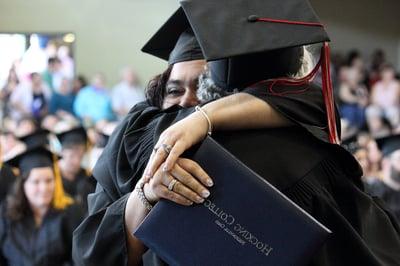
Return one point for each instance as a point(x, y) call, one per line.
point(327, 92)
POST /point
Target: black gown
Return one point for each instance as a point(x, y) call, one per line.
point(321, 178)
point(389, 196)
point(7, 179)
point(80, 188)
point(22, 243)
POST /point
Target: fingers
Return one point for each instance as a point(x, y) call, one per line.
point(177, 149)
point(157, 158)
point(183, 190)
point(195, 170)
point(190, 182)
point(172, 196)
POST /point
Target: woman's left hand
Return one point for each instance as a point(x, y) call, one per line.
point(175, 140)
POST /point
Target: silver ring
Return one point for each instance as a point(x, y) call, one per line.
point(172, 184)
point(166, 147)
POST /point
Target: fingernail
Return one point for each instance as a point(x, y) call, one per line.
point(210, 182)
point(190, 203)
point(199, 200)
point(205, 193)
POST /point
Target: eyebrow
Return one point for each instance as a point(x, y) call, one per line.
point(174, 81)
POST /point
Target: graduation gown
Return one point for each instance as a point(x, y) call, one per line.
point(22, 243)
point(7, 179)
point(80, 188)
point(390, 196)
point(321, 178)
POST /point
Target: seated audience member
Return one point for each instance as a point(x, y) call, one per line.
point(5, 92)
point(52, 75)
point(63, 100)
point(37, 220)
point(388, 188)
point(127, 93)
point(25, 126)
point(353, 97)
point(78, 83)
point(93, 102)
point(76, 180)
point(30, 99)
point(385, 97)
point(7, 176)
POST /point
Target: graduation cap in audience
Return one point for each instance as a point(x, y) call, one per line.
point(388, 144)
point(175, 41)
point(73, 136)
point(246, 40)
point(38, 156)
point(37, 138)
point(34, 156)
point(351, 143)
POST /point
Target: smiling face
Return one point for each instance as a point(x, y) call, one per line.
point(39, 187)
point(182, 84)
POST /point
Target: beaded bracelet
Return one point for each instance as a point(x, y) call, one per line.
point(199, 109)
point(142, 197)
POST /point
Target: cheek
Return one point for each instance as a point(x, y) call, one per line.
point(169, 101)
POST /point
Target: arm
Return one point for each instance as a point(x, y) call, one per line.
point(237, 111)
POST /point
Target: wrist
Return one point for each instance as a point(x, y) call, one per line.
point(145, 201)
point(206, 117)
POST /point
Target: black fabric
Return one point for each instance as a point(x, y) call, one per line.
point(322, 178)
point(73, 136)
point(7, 179)
point(186, 49)
point(389, 196)
point(389, 144)
point(163, 42)
point(80, 187)
point(22, 243)
point(239, 72)
point(37, 138)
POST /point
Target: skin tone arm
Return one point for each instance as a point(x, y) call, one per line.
point(237, 111)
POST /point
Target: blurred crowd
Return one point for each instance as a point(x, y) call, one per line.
point(56, 102)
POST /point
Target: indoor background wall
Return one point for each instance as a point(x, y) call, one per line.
point(109, 34)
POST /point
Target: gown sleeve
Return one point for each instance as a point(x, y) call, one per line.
point(303, 105)
point(103, 228)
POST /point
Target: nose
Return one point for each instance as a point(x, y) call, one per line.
point(189, 99)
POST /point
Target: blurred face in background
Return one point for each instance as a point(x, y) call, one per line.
point(395, 160)
point(388, 74)
point(374, 154)
point(73, 156)
point(99, 81)
point(182, 85)
point(39, 187)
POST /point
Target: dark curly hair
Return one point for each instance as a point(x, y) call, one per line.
point(155, 90)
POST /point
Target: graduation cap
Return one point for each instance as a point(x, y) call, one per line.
point(38, 156)
point(37, 138)
point(351, 143)
point(73, 136)
point(32, 157)
point(239, 37)
point(388, 144)
point(175, 41)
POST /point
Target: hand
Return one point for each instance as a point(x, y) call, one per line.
point(191, 185)
point(175, 140)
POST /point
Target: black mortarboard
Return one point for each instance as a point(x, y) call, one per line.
point(389, 144)
point(32, 157)
point(73, 136)
point(175, 41)
point(37, 138)
point(351, 143)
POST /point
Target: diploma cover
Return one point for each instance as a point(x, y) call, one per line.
point(245, 221)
